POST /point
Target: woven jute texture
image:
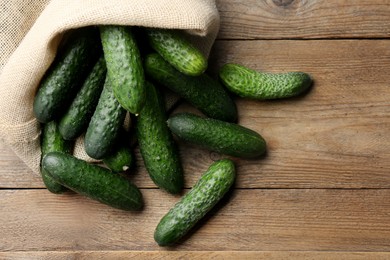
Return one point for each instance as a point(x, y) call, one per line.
point(31, 30)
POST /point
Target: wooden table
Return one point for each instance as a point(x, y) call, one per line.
point(323, 189)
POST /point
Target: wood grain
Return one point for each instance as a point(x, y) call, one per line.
point(172, 255)
point(335, 136)
point(278, 19)
point(246, 220)
point(321, 192)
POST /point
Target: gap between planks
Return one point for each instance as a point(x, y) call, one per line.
point(172, 255)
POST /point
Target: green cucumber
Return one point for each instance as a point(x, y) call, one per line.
point(124, 66)
point(105, 125)
point(158, 150)
point(93, 181)
point(177, 50)
point(194, 205)
point(203, 92)
point(76, 119)
point(218, 136)
point(52, 141)
point(120, 159)
point(253, 84)
point(64, 77)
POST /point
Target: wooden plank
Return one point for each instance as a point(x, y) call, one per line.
point(172, 255)
point(246, 220)
point(14, 173)
point(277, 19)
point(335, 136)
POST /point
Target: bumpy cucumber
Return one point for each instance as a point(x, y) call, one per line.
point(156, 144)
point(124, 66)
point(65, 75)
point(93, 181)
point(120, 159)
point(105, 125)
point(203, 92)
point(249, 83)
point(209, 189)
point(177, 50)
point(76, 119)
point(52, 141)
point(219, 136)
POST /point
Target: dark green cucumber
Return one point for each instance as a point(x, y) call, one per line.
point(121, 158)
point(65, 75)
point(124, 66)
point(52, 141)
point(193, 206)
point(156, 144)
point(203, 92)
point(93, 181)
point(105, 125)
point(219, 136)
point(76, 119)
point(177, 50)
point(253, 84)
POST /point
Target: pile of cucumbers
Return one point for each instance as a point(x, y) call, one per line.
point(102, 74)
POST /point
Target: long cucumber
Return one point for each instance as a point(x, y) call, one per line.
point(194, 205)
point(93, 181)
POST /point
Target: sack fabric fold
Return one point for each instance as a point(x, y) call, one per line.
point(22, 71)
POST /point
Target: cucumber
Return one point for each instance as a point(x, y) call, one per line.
point(158, 150)
point(76, 119)
point(249, 83)
point(105, 125)
point(203, 92)
point(52, 141)
point(65, 75)
point(177, 50)
point(124, 66)
point(194, 205)
point(120, 159)
point(219, 136)
point(93, 181)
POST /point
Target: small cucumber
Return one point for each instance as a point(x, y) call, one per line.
point(76, 119)
point(193, 206)
point(64, 77)
point(124, 66)
point(158, 150)
point(203, 92)
point(121, 158)
point(177, 50)
point(219, 136)
point(105, 125)
point(249, 83)
point(93, 181)
point(52, 141)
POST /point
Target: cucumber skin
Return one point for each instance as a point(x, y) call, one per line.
point(93, 181)
point(219, 136)
point(121, 158)
point(158, 150)
point(124, 66)
point(105, 125)
point(176, 50)
point(63, 78)
point(203, 92)
point(52, 141)
point(76, 119)
point(194, 205)
point(249, 83)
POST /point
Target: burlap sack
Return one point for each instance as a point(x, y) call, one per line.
point(30, 31)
